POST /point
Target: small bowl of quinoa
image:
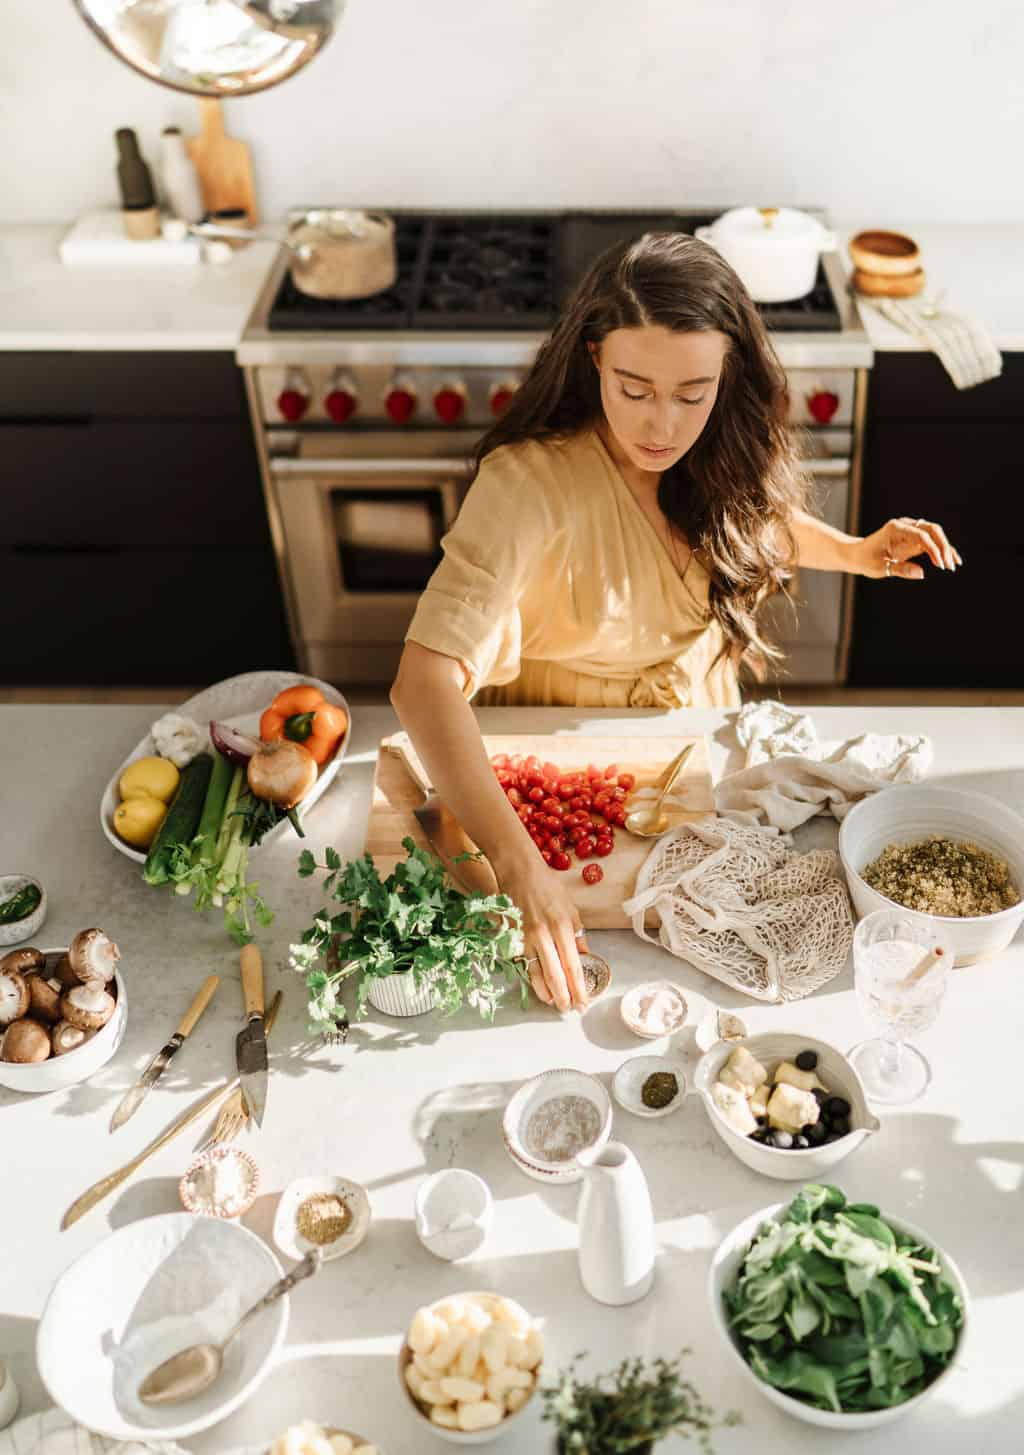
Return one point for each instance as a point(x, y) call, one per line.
point(941, 853)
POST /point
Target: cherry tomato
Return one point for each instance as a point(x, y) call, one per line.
point(618, 795)
point(551, 770)
point(556, 843)
point(627, 781)
point(593, 874)
point(603, 848)
point(566, 790)
point(560, 860)
point(546, 855)
point(618, 815)
point(553, 823)
point(611, 772)
point(535, 780)
point(585, 847)
point(514, 797)
point(536, 794)
point(500, 760)
point(516, 762)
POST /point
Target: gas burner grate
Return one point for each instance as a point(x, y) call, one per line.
point(818, 311)
point(489, 272)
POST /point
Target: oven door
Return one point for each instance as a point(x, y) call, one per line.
point(362, 519)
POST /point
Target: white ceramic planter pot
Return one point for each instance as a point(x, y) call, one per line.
point(774, 250)
point(398, 995)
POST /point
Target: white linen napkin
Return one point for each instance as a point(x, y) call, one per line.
point(790, 776)
point(55, 1433)
point(964, 345)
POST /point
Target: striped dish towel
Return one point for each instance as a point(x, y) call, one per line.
point(963, 344)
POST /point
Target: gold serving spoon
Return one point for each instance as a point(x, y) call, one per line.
point(187, 1374)
point(651, 821)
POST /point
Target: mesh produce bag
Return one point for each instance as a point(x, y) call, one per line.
point(744, 908)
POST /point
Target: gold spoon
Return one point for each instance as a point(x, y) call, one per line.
point(187, 1374)
point(650, 822)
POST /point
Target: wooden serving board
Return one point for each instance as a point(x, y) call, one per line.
point(223, 164)
point(600, 905)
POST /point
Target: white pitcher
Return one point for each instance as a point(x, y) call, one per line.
point(616, 1225)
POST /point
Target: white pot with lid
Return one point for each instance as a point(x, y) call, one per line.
point(774, 250)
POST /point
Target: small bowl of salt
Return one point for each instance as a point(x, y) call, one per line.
point(656, 1008)
point(221, 1183)
point(454, 1209)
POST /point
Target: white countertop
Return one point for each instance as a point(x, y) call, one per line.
point(976, 266)
point(405, 1097)
point(48, 305)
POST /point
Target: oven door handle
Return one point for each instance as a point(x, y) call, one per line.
point(349, 466)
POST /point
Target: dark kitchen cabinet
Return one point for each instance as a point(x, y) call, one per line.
point(134, 545)
point(955, 457)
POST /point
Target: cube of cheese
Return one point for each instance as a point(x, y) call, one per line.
point(734, 1108)
point(759, 1100)
point(789, 1108)
point(792, 1076)
point(743, 1072)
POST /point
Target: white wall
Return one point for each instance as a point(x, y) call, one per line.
point(883, 111)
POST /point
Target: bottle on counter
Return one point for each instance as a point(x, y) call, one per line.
point(138, 198)
point(179, 178)
point(9, 1396)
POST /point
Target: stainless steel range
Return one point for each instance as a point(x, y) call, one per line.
point(366, 414)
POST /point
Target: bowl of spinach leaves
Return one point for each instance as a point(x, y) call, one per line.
point(841, 1316)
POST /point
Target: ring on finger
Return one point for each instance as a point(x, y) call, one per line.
point(580, 934)
point(889, 563)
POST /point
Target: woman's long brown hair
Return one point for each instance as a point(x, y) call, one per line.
point(733, 493)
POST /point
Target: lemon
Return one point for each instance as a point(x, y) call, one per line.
point(156, 777)
point(137, 820)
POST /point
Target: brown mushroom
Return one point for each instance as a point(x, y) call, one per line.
point(25, 1041)
point(87, 1006)
point(64, 973)
point(27, 961)
point(14, 997)
point(93, 956)
point(66, 1037)
point(44, 998)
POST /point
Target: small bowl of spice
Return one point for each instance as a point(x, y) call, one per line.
point(649, 1086)
point(22, 908)
point(551, 1118)
point(597, 974)
point(656, 1008)
point(331, 1214)
point(221, 1183)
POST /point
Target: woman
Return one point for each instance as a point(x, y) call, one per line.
point(637, 503)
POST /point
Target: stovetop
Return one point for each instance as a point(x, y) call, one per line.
point(481, 272)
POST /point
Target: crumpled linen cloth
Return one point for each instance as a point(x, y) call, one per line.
point(738, 903)
point(964, 345)
point(55, 1433)
point(790, 776)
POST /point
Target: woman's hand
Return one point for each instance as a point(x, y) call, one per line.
point(551, 929)
point(890, 551)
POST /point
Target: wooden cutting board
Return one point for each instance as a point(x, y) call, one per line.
point(223, 163)
point(600, 905)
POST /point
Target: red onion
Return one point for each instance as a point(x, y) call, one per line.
point(237, 747)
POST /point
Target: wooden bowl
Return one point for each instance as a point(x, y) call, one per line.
point(877, 285)
point(888, 254)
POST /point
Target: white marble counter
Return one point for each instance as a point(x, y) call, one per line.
point(45, 304)
point(409, 1096)
point(976, 266)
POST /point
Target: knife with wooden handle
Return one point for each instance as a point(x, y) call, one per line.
point(441, 829)
point(106, 1185)
point(133, 1099)
point(251, 1041)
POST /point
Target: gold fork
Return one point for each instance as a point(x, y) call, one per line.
point(234, 1114)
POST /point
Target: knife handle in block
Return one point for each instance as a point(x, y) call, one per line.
point(252, 979)
point(191, 1017)
point(401, 746)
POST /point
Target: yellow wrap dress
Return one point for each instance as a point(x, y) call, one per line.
point(556, 590)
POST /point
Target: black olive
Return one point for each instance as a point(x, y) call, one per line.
point(761, 1135)
point(807, 1061)
point(801, 1141)
point(762, 1121)
point(837, 1106)
point(820, 1096)
point(840, 1126)
point(815, 1134)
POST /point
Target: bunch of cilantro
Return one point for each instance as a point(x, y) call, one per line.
point(839, 1309)
point(467, 948)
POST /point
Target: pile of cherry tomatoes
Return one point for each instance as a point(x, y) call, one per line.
point(566, 813)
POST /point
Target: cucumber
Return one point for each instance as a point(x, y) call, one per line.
point(182, 819)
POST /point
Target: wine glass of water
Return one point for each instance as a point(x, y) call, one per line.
point(889, 947)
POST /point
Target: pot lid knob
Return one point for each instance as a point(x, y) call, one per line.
point(768, 215)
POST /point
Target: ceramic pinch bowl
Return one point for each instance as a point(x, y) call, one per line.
point(454, 1211)
point(634, 1000)
point(718, 1025)
point(20, 931)
point(294, 1244)
point(220, 1183)
point(628, 1084)
point(520, 1132)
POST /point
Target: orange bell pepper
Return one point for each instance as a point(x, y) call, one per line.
point(303, 715)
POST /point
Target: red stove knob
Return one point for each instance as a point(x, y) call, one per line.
point(450, 402)
point(502, 395)
point(400, 401)
point(294, 398)
point(822, 405)
point(341, 399)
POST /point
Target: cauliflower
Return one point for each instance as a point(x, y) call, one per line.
point(178, 738)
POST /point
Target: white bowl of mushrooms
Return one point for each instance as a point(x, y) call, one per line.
point(62, 1013)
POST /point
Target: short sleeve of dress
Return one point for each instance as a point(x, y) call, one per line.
point(507, 525)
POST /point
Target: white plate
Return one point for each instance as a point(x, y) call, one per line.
point(151, 1283)
point(287, 1236)
point(239, 701)
point(627, 1084)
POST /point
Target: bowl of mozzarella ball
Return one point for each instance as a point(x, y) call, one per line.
point(470, 1364)
point(787, 1105)
point(309, 1438)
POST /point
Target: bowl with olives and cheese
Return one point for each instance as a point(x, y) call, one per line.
point(787, 1105)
